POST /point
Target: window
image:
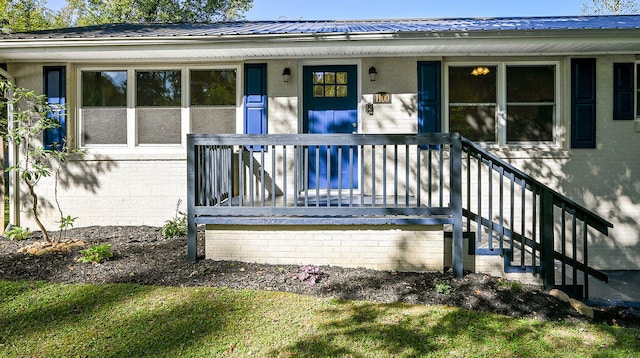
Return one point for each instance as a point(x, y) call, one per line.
point(530, 103)
point(158, 100)
point(503, 104)
point(137, 107)
point(104, 107)
point(213, 100)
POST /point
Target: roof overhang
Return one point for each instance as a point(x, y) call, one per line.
point(240, 47)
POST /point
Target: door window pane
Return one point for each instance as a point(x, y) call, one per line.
point(158, 88)
point(213, 88)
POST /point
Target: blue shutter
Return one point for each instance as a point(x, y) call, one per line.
point(55, 90)
point(255, 99)
point(583, 103)
point(429, 97)
point(623, 91)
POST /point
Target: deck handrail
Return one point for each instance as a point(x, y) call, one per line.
point(543, 201)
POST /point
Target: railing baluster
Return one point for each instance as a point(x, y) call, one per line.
point(563, 242)
point(395, 175)
point(384, 175)
point(317, 169)
point(241, 174)
point(362, 180)
point(534, 237)
point(479, 216)
point(501, 210)
point(262, 178)
point(351, 153)
point(340, 169)
point(430, 177)
point(574, 247)
point(441, 159)
point(490, 216)
point(285, 178)
point(523, 250)
point(296, 170)
point(585, 238)
point(406, 178)
point(328, 175)
point(418, 177)
point(305, 174)
point(273, 176)
point(373, 176)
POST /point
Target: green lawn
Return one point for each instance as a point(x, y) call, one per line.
point(120, 320)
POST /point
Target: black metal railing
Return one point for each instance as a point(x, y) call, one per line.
point(516, 216)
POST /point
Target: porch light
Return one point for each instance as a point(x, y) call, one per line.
point(286, 74)
point(480, 71)
point(373, 73)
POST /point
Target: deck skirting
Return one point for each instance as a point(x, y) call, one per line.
point(380, 247)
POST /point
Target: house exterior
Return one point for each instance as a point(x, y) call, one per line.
point(556, 97)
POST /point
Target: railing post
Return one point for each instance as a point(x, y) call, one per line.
point(456, 204)
point(192, 249)
point(546, 237)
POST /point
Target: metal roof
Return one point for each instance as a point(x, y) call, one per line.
point(275, 28)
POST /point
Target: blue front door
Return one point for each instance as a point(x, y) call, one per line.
point(331, 106)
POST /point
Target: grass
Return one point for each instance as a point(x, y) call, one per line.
point(122, 320)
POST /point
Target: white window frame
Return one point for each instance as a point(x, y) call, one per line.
point(132, 145)
point(501, 100)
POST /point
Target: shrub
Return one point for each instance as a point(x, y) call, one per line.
point(176, 226)
point(309, 274)
point(96, 253)
point(18, 233)
point(442, 286)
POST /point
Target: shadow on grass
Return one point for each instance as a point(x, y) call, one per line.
point(352, 329)
point(109, 320)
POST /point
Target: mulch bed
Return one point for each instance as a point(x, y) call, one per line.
point(143, 256)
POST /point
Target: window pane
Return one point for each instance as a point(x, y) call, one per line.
point(318, 77)
point(104, 126)
point(476, 123)
point(213, 120)
point(530, 123)
point(318, 91)
point(158, 88)
point(104, 88)
point(531, 84)
point(471, 85)
point(341, 78)
point(341, 91)
point(329, 78)
point(330, 91)
point(158, 125)
point(213, 88)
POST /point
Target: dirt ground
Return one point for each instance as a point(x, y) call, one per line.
point(143, 256)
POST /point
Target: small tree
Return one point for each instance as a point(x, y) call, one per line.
point(610, 7)
point(32, 116)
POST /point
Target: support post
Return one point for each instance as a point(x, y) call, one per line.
point(546, 236)
point(456, 204)
point(192, 243)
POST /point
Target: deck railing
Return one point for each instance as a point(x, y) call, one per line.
point(516, 216)
point(343, 179)
point(374, 180)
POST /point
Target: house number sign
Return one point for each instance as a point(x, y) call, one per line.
point(381, 98)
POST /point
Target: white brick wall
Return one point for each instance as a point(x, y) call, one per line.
point(404, 248)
